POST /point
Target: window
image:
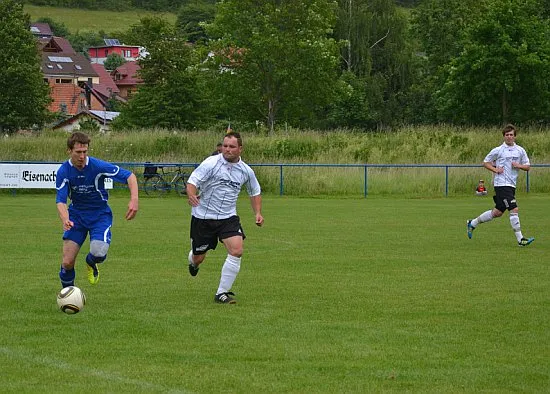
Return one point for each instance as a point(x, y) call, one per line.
point(128, 53)
point(63, 80)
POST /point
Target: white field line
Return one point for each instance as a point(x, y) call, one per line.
point(80, 370)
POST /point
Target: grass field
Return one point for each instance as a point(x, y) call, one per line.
point(87, 20)
point(335, 295)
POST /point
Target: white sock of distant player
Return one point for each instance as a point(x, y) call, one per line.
point(514, 221)
point(230, 269)
point(486, 216)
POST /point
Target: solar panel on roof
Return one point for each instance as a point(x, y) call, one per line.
point(111, 41)
point(60, 59)
point(35, 29)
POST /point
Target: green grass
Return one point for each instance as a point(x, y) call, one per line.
point(86, 20)
point(335, 295)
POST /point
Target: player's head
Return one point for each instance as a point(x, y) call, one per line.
point(232, 147)
point(77, 145)
point(509, 128)
point(77, 137)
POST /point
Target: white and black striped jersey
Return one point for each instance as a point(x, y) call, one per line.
point(503, 156)
point(219, 183)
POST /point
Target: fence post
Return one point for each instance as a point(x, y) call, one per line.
point(365, 191)
point(281, 187)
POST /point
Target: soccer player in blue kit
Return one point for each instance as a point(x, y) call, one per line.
point(82, 179)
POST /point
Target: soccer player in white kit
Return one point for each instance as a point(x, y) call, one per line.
point(505, 161)
point(212, 191)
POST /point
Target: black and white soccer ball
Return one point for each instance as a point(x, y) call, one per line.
point(71, 300)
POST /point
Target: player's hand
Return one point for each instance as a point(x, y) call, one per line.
point(259, 220)
point(193, 200)
point(133, 207)
point(499, 170)
point(67, 225)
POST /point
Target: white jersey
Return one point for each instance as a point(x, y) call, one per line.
point(503, 156)
point(219, 183)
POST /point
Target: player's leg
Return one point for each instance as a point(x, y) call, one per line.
point(232, 237)
point(203, 238)
point(516, 226)
point(500, 206)
point(100, 240)
point(67, 272)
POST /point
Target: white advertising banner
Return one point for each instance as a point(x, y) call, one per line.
point(32, 176)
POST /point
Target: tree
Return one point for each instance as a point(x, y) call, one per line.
point(113, 61)
point(503, 72)
point(377, 52)
point(171, 96)
point(24, 96)
point(275, 59)
point(191, 18)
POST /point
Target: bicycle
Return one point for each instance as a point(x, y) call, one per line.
point(155, 183)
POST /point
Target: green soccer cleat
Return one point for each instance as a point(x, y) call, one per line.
point(93, 274)
point(526, 241)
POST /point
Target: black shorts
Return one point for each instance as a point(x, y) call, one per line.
point(505, 198)
point(205, 233)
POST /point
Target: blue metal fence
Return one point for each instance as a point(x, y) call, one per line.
point(282, 166)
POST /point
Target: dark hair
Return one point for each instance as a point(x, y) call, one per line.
point(79, 137)
point(509, 127)
point(236, 135)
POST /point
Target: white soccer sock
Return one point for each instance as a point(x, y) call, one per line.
point(514, 221)
point(486, 216)
point(190, 257)
point(230, 270)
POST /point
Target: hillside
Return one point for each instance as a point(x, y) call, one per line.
point(84, 20)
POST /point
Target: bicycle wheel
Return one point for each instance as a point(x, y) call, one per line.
point(180, 184)
point(155, 186)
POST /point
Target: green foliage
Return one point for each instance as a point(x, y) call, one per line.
point(24, 96)
point(170, 97)
point(113, 61)
point(503, 72)
point(278, 58)
point(191, 19)
point(89, 125)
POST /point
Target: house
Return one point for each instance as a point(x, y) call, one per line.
point(67, 73)
point(126, 78)
point(130, 53)
point(102, 118)
point(41, 30)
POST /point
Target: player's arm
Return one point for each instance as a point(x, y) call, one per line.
point(489, 165)
point(192, 197)
point(63, 213)
point(256, 202)
point(133, 205)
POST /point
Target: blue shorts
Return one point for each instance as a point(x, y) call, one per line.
point(98, 225)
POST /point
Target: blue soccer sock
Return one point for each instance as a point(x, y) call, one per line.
point(92, 260)
point(67, 277)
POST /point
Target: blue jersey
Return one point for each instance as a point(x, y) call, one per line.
point(86, 187)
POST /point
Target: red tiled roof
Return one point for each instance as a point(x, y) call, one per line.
point(128, 74)
point(106, 85)
point(67, 97)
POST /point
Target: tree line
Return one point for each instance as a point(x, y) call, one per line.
point(325, 64)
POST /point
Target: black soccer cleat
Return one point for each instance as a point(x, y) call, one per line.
point(225, 298)
point(193, 269)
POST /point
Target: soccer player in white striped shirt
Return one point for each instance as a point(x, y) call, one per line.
point(505, 161)
point(212, 191)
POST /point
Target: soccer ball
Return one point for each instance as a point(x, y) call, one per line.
point(71, 300)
